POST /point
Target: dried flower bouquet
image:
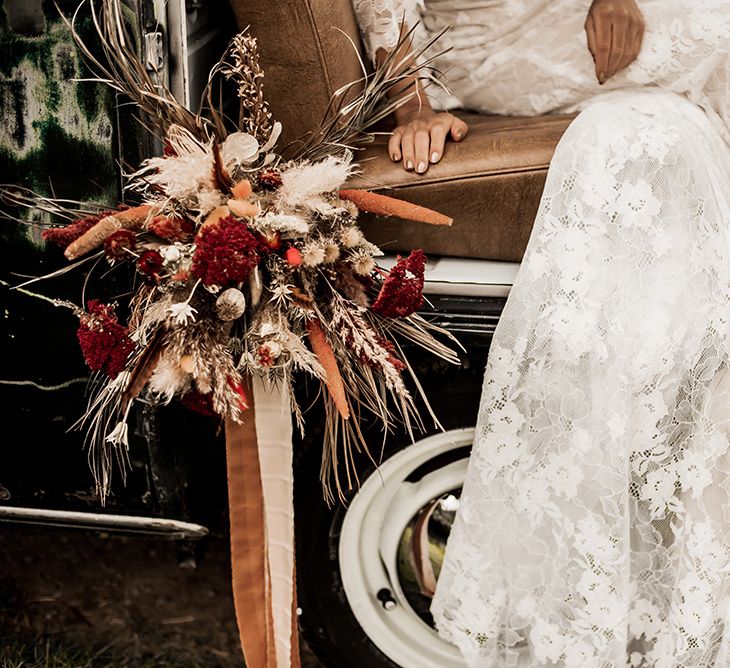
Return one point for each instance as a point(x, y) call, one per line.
point(247, 264)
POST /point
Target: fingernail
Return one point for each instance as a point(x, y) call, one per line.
point(409, 164)
point(458, 134)
point(601, 76)
point(434, 156)
point(421, 167)
point(396, 157)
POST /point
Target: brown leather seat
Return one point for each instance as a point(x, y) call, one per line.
point(490, 184)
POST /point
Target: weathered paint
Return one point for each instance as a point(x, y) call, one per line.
point(56, 134)
point(53, 127)
point(58, 137)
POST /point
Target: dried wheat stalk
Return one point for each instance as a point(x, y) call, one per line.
point(241, 65)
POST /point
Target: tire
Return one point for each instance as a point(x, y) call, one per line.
point(351, 613)
point(326, 619)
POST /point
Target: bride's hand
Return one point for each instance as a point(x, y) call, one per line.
point(615, 29)
point(420, 136)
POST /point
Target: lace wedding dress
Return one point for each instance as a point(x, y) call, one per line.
point(593, 525)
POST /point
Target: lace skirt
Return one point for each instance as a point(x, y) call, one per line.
point(593, 528)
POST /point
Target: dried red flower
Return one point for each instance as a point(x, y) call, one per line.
point(180, 276)
point(269, 179)
point(105, 343)
point(118, 245)
point(198, 403)
point(402, 292)
point(264, 356)
point(173, 228)
point(270, 244)
point(63, 236)
point(225, 253)
point(150, 263)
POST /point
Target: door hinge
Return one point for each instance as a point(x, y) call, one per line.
point(154, 51)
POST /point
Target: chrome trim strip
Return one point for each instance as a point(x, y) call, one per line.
point(102, 522)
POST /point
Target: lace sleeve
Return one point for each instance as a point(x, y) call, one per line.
point(380, 21)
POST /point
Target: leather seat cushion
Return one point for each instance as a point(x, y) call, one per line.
point(490, 184)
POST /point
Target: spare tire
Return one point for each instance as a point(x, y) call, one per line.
point(362, 599)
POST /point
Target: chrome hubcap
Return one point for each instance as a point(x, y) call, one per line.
point(392, 545)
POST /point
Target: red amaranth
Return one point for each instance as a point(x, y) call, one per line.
point(105, 343)
point(402, 292)
point(225, 253)
point(63, 236)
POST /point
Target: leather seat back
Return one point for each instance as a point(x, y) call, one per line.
point(306, 54)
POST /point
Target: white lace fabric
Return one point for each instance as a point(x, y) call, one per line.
point(380, 22)
point(593, 528)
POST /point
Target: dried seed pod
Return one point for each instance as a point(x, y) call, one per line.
point(230, 304)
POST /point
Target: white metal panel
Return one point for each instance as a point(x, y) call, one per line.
point(463, 277)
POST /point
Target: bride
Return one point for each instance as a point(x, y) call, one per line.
point(593, 525)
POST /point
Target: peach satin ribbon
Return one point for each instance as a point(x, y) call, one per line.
point(260, 499)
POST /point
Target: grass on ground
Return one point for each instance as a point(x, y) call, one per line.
point(46, 654)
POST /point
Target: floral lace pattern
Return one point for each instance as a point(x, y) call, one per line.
point(593, 530)
point(380, 21)
point(528, 57)
point(593, 526)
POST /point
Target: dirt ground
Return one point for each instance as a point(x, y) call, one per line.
point(125, 594)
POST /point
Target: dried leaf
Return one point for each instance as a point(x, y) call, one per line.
point(143, 370)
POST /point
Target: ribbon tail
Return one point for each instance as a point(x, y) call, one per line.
point(249, 557)
point(296, 661)
point(274, 429)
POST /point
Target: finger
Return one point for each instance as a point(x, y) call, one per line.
point(406, 144)
point(629, 54)
point(394, 150)
point(459, 129)
point(422, 143)
point(632, 48)
point(603, 46)
point(438, 139)
point(619, 42)
point(591, 36)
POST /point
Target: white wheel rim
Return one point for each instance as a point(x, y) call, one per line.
point(368, 550)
